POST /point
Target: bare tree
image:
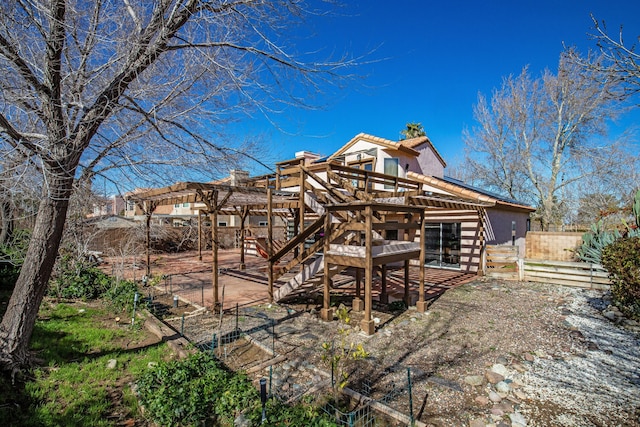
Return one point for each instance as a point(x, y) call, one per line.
point(130, 91)
point(538, 138)
point(620, 59)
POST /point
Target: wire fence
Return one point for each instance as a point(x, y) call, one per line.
point(272, 342)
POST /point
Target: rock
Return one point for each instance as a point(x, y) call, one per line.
point(152, 365)
point(529, 357)
point(474, 380)
point(541, 354)
point(502, 360)
point(493, 377)
point(505, 407)
point(497, 411)
point(241, 421)
point(520, 395)
point(494, 397)
point(82, 310)
point(520, 368)
point(112, 363)
point(482, 400)
point(478, 422)
point(502, 387)
point(517, 420)
point(609, 315)
point(499, 368)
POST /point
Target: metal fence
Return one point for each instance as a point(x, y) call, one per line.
point(260, 340)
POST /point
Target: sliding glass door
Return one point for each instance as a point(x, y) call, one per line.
point(442, 244)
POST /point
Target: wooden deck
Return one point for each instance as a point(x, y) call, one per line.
point(191, 278)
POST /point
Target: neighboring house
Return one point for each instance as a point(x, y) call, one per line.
point(113, 205)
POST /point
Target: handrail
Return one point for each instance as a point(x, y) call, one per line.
point(301, 237)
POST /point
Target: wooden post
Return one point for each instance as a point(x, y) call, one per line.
point(357, 304)
point(302, 206)
point(367, 325)
point(147, 222)
point(421, 305)
point(270, 240)
point(199, 235)
point(214, 251)
point(326, 313)
point(243, 218)
point(384, 297)
point(407, 294)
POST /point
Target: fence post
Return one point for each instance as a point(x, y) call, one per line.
point(410, 396)
point(202, 295)
point(182, 326)
point(237, 314)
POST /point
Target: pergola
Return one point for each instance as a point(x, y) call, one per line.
point(219, 199)
point(351, 218)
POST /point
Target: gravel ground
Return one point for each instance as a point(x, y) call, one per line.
point(489, 352)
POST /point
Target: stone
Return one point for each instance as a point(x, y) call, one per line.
point(529, 357)
point(502, 360)
point(505, 407)
point(541, 354)
point(502, 387)
point(112, 363)
point(494, 397)
point(609, 315)
point(517, 420)
point(241, 421)
point(499, 368)
point(520, 395)
point(520, 368)
point(152, 365)
point(497, 411)
point(477, 422)
point(474, 380)
point(493, 377)
point(482, 400)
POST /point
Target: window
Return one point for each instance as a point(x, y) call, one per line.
point(130, 205)
point(177, 205)
point(263, 223)
point(442, 244)
point(185, 205)
point(390, 168)
point(222, 223)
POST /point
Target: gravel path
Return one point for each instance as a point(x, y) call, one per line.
point(487, 353)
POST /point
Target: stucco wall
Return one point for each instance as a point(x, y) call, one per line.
point(429, 163)
point(498, 230)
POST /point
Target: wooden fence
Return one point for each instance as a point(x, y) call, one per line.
point(579, 274)
point(502, 261)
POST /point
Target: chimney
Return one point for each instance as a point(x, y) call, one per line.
point(238, 177)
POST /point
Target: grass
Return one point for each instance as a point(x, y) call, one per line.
point(73, 386)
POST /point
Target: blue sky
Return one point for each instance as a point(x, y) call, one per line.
point(430, 61)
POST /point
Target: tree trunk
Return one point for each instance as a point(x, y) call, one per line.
point(6, 217)
point(18, 321)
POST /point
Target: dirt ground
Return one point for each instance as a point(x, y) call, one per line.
point(559, 361)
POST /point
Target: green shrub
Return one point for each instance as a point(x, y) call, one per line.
point(622, 260)
point(120, 295)
point(74, 279)
point(197, 391)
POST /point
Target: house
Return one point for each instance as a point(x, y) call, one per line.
point(460, 220)
point(374, 204)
